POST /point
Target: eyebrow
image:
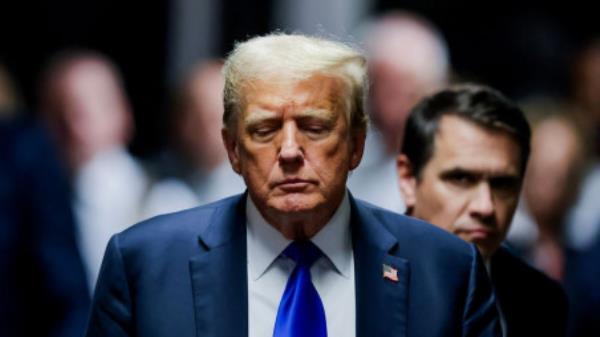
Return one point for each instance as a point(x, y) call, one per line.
point(260, 115)
point(318, 113)
point(459, 171)
point(477, 173)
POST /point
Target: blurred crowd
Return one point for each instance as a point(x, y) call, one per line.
point(68, 181)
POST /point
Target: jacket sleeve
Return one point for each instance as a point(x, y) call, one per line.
point(481, 316)
point(111, 314)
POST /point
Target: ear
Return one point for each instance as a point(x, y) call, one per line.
point(233, 151)
point(406, 180)
point(358, 147)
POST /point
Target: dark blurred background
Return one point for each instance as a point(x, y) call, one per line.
point(520, 47)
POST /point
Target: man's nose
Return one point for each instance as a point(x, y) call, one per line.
point(482, 202)
point(291, 150)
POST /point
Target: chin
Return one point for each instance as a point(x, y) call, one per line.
point(295, 203)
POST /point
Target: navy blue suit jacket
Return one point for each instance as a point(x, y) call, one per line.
point(184, 274)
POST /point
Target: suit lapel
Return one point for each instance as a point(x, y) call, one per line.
point(219, 275)
point(381, 303)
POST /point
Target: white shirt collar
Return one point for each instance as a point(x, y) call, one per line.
point(265, 243)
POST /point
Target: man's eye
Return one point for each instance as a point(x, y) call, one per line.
point(316, 130)
point(505, 184)
point(461, 179)
point(262, 133)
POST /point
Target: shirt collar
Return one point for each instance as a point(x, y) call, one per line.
point(265, 243)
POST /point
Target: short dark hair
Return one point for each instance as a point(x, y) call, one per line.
point(479, 104)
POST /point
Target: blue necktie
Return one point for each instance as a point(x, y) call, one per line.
point(301, 312)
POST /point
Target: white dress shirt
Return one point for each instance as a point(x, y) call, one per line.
point(583, 219)
point(332, 274)
point(109, 190)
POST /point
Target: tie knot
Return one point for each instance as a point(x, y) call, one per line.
point(304, 253)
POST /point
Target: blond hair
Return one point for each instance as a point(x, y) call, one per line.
point(295, 58)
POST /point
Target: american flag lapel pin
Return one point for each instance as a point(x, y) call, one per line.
point(390, 273)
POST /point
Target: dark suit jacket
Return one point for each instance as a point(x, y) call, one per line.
point(43, 290)
point(582, 283)
point(532, 303)
point(184, 274)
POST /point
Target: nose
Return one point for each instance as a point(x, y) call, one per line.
point(482, 202)
point(291, 150)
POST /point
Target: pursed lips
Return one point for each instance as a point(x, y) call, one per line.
point(294, 184)
point(477, 232)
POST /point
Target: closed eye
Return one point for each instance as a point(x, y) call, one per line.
point(315, 127)
point(263, 131)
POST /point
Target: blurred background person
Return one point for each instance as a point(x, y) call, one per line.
point(551, 185)
point(86, 109)
point(584, 219)
point(195, 169)
point(557, 226)
point(407, 59)
point(43, 288)
point(550, 188)
point(585, 87)
point(9, 100)
point(582, 271)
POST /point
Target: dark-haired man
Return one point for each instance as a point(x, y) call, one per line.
point(461, 168)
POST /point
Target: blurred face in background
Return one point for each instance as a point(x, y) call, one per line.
point(9, 100)
point(407, 60)
point(470, 186)
point(86, 110)
point(395, 90)
point(587, 81)
point(199, 124)
point(553, 173)
point(294, 147)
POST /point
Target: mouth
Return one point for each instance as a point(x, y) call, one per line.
point(479, 234)
point(294, 184)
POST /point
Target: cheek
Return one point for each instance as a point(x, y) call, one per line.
point(436, 205)
point(257, 163)
point(329, 160)
point(433, 195)
point(506, 210)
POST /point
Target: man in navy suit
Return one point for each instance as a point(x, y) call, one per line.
point(461, 168)
point(294, 127)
